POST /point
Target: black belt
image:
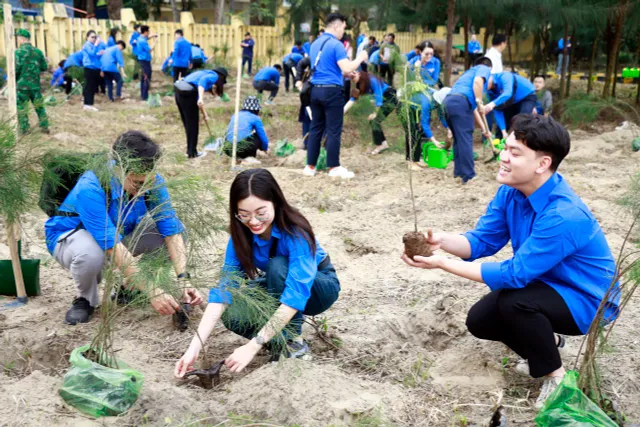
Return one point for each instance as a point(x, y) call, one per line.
point(340, 86)
point(326, 262)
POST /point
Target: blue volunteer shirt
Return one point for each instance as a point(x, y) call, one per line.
point(74, 60)
point(295, 57)
point(90, 57)
point(555, 239)
point(143, 49)
point(303, 267)
point(181, 53)
point(411, 56)
point(464, 85)
point(298, 50)
point(203, 78)
point(269, 74)
point(502, 92)
point(197, 53)
point(427, 105)
point(474, 46)
point(430, 72)
point(111, 59)
point(133, 42)
point(88, 199)
point(247, 125)
point(306, 48)
point(58, 77)
point(166, 68)
point(375, 58)
point(248, 50)
point(111, 41)
point(327, 71)
point(377, 88)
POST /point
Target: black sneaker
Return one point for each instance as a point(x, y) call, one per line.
point(181, 317)
point(80, 312)
point(125, 296)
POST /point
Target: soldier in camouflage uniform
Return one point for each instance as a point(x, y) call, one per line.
point(30, 62)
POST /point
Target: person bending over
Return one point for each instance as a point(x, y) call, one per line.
point(251, 134)
point(562, 266)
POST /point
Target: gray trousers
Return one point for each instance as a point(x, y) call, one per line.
point(79, 253)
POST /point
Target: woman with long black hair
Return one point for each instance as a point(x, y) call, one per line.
point(386, 102)
point(190, 99)
point(113, 37)
point(269, 235)
point(91, 64)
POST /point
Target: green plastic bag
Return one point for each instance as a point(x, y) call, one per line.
point(635, 145)
point(321, 164)
point(154, 101)
point(284, 148)
point(225, 98)
point(569, 406)
point(97, 390)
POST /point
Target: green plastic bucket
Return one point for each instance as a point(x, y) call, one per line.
point(438, 158)
point(626, 73)
point(30, 272)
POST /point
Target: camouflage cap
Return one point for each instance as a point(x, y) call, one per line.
point(23, 33)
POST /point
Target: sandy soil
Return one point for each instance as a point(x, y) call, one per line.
point(406, 358)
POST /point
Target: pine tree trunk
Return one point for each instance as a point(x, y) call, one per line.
point(612, 53)
point(571, 62)
point(174, 10)
point(565, 51)
point(451, 25)
point(219, 11)
point(545, 51)
point(534, 55)
point(508, 28)
point(615, 75)
point(592, 62)
point(467, 55)
point(113, 8)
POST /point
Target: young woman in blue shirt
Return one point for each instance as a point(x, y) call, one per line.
point(268, 235)
point(91, 64)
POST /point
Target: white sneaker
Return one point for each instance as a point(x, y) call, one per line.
point(309, 171)
point(341, 172)
point(548, 386)
point(522, 366)
point(90, 108)
point(251, 161)
point(201, 154)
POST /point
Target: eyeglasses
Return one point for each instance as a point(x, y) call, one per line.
point(245, 218)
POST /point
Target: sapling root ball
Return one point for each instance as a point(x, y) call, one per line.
point(416, 243)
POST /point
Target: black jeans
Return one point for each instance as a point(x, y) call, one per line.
point(525, 106)
point(288, 66)
point(247, 60)
point(248, 147)
point(526, 320)
point(101, 86)
point(262, 85)
point(411, 127)
point(190, 114)
point(324, 292)
point(327, 104)
point(145, 79)
point(388, 71)
point(179, 72)
point(91, 77)
point(389, 104)
point(68, 83)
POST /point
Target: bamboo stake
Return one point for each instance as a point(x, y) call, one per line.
point(12, 231)
point(235, 124)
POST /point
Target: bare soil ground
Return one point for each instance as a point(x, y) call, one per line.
point(405, 358)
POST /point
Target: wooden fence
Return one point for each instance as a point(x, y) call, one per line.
point(57, 36)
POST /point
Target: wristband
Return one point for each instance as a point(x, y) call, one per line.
point(184, 276)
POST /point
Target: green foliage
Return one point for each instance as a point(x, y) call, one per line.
point(582, 109)
point(140, 8)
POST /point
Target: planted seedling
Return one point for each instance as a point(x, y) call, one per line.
point(208, 377)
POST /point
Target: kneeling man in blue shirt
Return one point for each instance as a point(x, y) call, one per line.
point(562, 266)
point(91, 226)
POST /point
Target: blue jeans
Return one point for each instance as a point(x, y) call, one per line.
point(324, 293)
point(326, 116)
point(109, 78)
point(459, 116)
point(145, 79)
point(245, 60)
point(559, 66)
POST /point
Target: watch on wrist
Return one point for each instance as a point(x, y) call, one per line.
point(184, 276)
point(259, 340)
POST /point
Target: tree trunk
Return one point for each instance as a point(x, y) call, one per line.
point(615, 75)
point(565, 51)
point(592, 62)
point(113, 8)
point(535, 58)
point(91, 8)
point(544, 51)
point(612, 53)
point(467, 55)
point(219, 12)
point(508, 30)
point(451, 25)
point(571, 62)
point(487, 32)
point(174, 11)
